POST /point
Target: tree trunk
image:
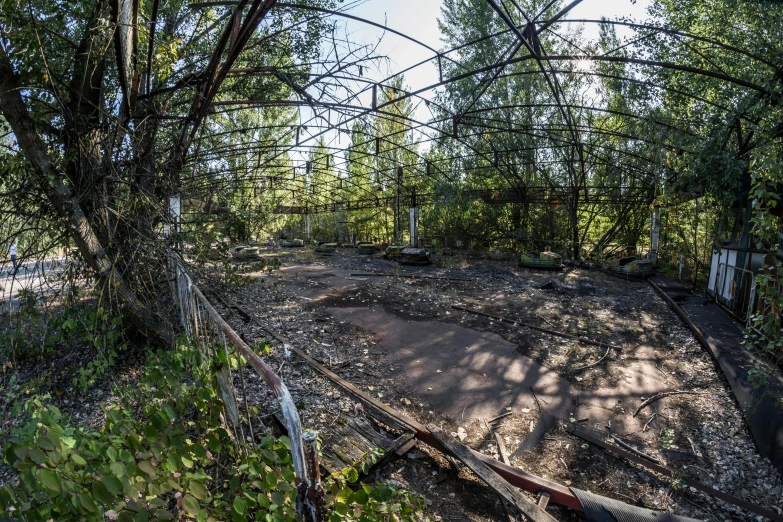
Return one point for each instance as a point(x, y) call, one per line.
point(68, 207)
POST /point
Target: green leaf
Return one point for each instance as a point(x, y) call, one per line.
point(190, 504)
point(78, 459)
point(112, 453)
point(86, 501)
point(169, 411)
point(278, 498)
point(150, 432)
point(352, 475)
point(147, 467)
point(198, 490)
point(112, 484)
point(384, 493)
point(50, 480)
point(102, 494)
point(45, 444)
point(37, 456)
point(359, 497)
point(199, 452)
point(341, 509)
point(118, 468)
point(240, 506)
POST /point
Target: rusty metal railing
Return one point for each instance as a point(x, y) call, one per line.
point(205, 326)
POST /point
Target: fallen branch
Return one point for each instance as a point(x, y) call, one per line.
point(647, 424)
point(493, 419)
point(596, 363)
point(627, 446)
point(661, 396)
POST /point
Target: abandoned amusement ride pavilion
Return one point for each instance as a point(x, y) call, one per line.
point(519, 262)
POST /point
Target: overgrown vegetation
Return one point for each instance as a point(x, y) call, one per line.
point(165, 454)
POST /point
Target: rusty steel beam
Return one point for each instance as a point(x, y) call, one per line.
point(695, 330)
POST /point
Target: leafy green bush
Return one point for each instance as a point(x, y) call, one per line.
point(764, 335)
point(163, 454)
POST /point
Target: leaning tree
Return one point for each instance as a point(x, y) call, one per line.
point(106, 103)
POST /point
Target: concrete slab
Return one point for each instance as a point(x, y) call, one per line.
point(480, 372)
point(461, 372)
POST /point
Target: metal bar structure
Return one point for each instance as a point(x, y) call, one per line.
point(244, 16)
point(204, 325)
point(497, 196)
point(735, 291)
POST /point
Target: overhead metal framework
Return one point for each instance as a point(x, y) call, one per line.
point(541, 145)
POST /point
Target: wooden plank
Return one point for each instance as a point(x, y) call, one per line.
point(501, 448)
point(507, 506)
point(350, 440)
point(405, 448)
point(506, 491)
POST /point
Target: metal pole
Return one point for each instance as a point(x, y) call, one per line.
point(655, 232)
point(682, 257)
point(310, 497)
point(414, 220)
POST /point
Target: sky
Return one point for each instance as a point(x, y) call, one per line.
point(418, 19)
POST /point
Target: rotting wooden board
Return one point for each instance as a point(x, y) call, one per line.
point(506, 491)
point(351, 440)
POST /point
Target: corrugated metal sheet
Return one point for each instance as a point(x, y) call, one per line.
point(603, 509)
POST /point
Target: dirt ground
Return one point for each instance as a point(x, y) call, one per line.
point(400, 340)
point(331, 309)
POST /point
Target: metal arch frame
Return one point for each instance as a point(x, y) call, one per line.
point(430, 125)
point(496, 71)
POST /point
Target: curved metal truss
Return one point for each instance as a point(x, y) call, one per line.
point(551, 140)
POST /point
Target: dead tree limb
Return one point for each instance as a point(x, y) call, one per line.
point(596, 363)
point(661, 396)
point(627, 446)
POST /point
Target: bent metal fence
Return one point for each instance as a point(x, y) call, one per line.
point(207, 328)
